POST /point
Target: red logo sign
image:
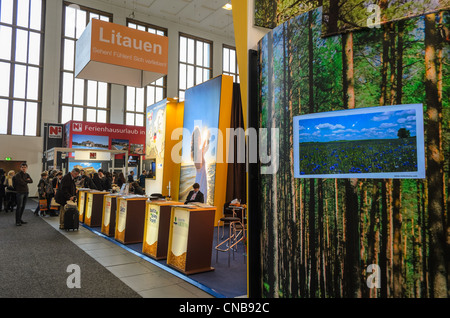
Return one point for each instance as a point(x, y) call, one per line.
point(54, 132)
point(77, 127)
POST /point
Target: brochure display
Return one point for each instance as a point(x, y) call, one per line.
point(94, 208)
point(82, 194)
point(109, 214)
point(191, 239)
point(130, 219)
point(156, 229)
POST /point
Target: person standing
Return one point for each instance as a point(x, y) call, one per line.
point(21, 181)
point(2, 189)
point(67, 191)
point(9, 192)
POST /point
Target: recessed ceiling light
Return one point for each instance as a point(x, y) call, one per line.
point(227, 6)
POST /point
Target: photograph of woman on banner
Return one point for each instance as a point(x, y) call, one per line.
point(199, 147)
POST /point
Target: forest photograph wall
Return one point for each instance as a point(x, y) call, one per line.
point(327, 237)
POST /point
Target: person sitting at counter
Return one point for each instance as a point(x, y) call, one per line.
point(195, 195)
point(137, 189)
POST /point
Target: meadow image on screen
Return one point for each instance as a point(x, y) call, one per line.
point(375, 142)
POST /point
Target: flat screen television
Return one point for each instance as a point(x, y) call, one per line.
point(384, 142)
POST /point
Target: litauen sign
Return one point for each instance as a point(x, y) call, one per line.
point(114, 53)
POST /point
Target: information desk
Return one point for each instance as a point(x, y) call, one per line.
point(109, 214)
point(130, 219)
point(156, 230)
point(94, 208)
point(191, 239)
point(82, 194)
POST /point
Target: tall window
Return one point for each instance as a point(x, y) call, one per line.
point(137, 99)
point(229, 65)
point(195, 62)
point(21, 56)
point(83, 100)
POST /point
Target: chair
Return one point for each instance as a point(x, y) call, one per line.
point(236, 234)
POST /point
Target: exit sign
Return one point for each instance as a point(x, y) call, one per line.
point(8, 158)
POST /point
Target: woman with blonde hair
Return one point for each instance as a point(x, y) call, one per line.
point(10, 194)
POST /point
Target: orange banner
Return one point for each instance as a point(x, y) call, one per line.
point(119, 45)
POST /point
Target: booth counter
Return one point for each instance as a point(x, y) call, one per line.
point(130, 219)
point(191, 238)
point(94, 208)
point(156, 230)
point(109, 214)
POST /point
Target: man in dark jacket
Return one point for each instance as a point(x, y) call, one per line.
point(67, 191)
point(20, 182)
point(195, 195)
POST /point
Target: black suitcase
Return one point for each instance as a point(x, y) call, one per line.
point(71, 217)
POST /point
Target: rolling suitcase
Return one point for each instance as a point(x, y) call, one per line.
point(71, 217)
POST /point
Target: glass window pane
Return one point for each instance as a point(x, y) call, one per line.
point(66, 114)
point(5, 40)
point(181, 95)
point(78, 93)
point(22, 12)
point(105, 18)
point(36, 14)
point(226, 59)
point(69, 28)
point(233, 61)
point(93, 15)
point(190, 51)
point(183, 49)
point(6, 12)
point(92, 93)
point(132, 25)
point(150, 95)
point(199, 76)
point(81, 22)
point(3, 116)
point(31, 120)
point(67, 88)
point(131, 91)
point(102, 94)
point(140, 99)
point(159, 94)
point(130, 119)
point(69, 52)
point(34, 49)
point(4, 78)
point(206, 74)
point(139, 120)
point(18, 116)
point(206, 55)
point(91, 115)
point(21, 45)
point(101, 116)
point(33, 83)
point(190, 76)
point(199, 52)
point(141, 28)
point(20, 75)
point(78, 113)
point(159, 82)
point(182, 76)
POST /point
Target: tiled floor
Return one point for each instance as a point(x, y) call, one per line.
point(145, 278)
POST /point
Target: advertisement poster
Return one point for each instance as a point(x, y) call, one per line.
point(180, 231)
point(151, 235)
point(90, 198)
point(81, 203)
point(122, 216)
point(107, 212)
point(200, 138)
point(371, 142)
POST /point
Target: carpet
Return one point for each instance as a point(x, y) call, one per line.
point(34, 259)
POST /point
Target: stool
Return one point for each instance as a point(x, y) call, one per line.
point(234, 236)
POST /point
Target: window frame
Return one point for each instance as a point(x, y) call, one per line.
point(234, 74)
point(195, 65)
point(153, 84)
point(85, 106)
point(12, 74)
